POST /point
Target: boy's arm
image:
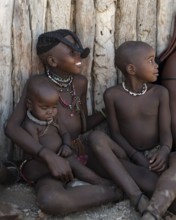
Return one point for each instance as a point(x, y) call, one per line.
point(159, 160)
point(112, 119)
point(14, 130)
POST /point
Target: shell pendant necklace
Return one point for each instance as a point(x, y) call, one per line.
point(144, 90)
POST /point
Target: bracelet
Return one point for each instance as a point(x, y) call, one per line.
point(103, 114)
point(68, 146)
point(168, 147)
point(39, 152)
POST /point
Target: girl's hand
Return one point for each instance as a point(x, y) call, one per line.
point(58, 166)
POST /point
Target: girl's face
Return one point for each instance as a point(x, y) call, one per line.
point(146, 67)
point(44, 107)
point(68, 60)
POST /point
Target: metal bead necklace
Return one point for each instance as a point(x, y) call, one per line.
point(66, 85)
point(144, 90)
point(61, 82)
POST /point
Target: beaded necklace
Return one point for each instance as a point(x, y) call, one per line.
point(144, 90)
point(67, 84)
point(74, 106)
point(61, 82)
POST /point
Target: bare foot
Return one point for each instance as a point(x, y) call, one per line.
point(119, 193)
point(148, 215)
point(141, 202)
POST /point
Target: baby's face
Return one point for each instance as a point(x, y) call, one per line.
point(45, 108)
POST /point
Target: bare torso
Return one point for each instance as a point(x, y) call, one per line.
point(138, 116)
point(72, 122)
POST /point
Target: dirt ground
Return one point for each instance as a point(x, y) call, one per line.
point(23, 196)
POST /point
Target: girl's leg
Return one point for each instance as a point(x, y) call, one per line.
point(86, 174)
point(54, 199)
point(101, 146)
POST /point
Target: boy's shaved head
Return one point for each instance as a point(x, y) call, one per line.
point(128, 52)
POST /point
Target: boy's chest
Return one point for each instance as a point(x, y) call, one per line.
point(136, 107)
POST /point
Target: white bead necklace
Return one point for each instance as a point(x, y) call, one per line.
point(37, 121)
point(144, 90)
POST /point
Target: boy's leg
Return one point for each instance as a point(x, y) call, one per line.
point(165, 192)
point(101, 146)
point(54, 199)
point(86, 174)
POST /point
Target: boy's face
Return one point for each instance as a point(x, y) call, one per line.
point(146, 67)
point(44, 107)
point(67, 59)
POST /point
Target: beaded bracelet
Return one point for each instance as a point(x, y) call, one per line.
point(103, 114)
point(69, 146)
point(168, 147)
point(39, 152)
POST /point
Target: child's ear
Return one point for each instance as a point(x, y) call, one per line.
point(29, 104)
point(131, 69)
point(52, 61)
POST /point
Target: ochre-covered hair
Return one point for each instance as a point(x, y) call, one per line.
point(48, 40)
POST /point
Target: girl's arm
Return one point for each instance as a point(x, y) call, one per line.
point(92, 120)
point(15, 131)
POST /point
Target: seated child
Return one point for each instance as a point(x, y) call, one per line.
point(42, 124)
point(139, 119)
point(61, 53)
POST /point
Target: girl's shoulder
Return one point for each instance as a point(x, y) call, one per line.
point(113, 91)
point(80, 80)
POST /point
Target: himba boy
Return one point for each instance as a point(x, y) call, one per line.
point(61, 53)
point(139, 119)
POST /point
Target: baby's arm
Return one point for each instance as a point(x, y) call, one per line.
point(112, 119)
point(66, 147)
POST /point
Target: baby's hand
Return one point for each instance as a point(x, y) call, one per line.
point(159, 160)
point(66, 150)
